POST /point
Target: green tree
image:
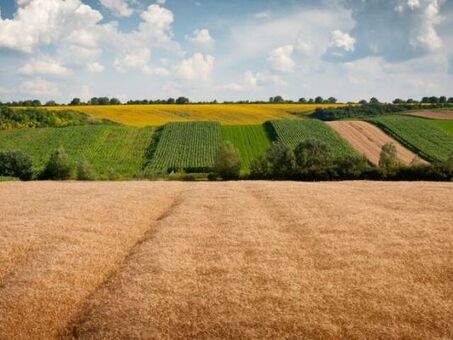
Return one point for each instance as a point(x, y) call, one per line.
point(75, 101)
point(59, 166)
point(227, 163)
point(388, 159)
point(281, 160)
point(319, 100)
point(374, 100)
point(182, 100)
point(302, 100)
point(16, 164)
point(260, 168)
point(85, 171)
point(115, 101)
point(311, 154)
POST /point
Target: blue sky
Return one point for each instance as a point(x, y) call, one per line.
point(225, 50)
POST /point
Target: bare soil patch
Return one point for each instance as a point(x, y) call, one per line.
point(368, 140)
point(226, 260)
point(442, 115)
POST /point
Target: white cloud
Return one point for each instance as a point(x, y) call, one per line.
point(156, 22)
point(281, 60)
point(45, 66)
point(43, 22)
point(138, 60)
point(95, 67)
point(201, 38)
point(197, 67)
point(342, 40)
point(118, 7)
point(39, 87)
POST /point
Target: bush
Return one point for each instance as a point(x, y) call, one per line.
point(59, 166)
point(16, 164)
point(260, 168)
point(388, 160)
point(311, 154)
point(227, 163)
point(85, 171)
point(351, 167)
point(281, 160)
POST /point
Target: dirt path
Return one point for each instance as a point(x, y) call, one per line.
point(442, 115)
point(228, 260)
point(368, 140)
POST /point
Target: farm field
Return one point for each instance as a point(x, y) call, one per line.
point(249, 140)
point(225, 114)
point(445, 125)
point(292, 133)
point(110, 149)
point(368, 140)
point(441, 115)
point(188, 146)
point(418, 134)
point(226, 260)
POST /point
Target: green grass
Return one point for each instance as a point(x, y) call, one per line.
point(292, 133)
point(423, 136)
point(108, 148)
point(249, 140)
point(445, 125)
point(188, 146)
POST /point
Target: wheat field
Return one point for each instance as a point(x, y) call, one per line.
point(225, 114)
point(235, 260)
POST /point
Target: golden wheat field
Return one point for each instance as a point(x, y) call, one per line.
point(226, 114)
point(232, 260)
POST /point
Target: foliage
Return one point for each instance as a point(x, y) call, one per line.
point(292, 133)
point(312, 153)
point(85, 171)
point(388, 160)
point(419, 135)
point(105, 147)
point(249, 140)
point(281, 159)
point(260, 168)
point(362, 111)
point(190, 147)
point(38, 118)
point(227, 162)
point(59, 166)
point(16, 164)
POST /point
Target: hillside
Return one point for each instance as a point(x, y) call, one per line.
point(225, 114)
point(112, 150)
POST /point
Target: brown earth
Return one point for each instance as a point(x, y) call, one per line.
point(442, 115)
point(368, 140)
point(226, 260)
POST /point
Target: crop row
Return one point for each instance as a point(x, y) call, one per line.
point(187, 146)
point(418, 134)
point(292, 133)
point(110, 149)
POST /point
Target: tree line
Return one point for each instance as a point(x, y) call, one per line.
point(184, 100)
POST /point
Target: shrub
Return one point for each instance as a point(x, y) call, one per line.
point(260, 168)
point(351, 167)
point(16, 164)
point(388, 160)
point(312, 153)
point(227, 162)
point(281, 160)
point(85, 171)
point(59, 166)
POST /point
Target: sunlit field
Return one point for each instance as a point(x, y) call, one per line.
point(225, 114)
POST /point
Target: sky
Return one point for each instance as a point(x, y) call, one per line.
point(225, 50)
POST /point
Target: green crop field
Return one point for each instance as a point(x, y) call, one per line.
point(249, 140)
point(110, 149)
point(446, 125)
point(420, 135)
point(292, 133)
point(188, 146)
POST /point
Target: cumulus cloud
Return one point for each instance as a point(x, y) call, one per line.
point(95, 67)
point(342, 40)
point(197, 67)
point(39, 87)
point(156, 22)
point(118, 7)
point(395, 29)
point(281, 60)
point(138, 60)
point(44, 66)
point(43, 22)
point(201, 38)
